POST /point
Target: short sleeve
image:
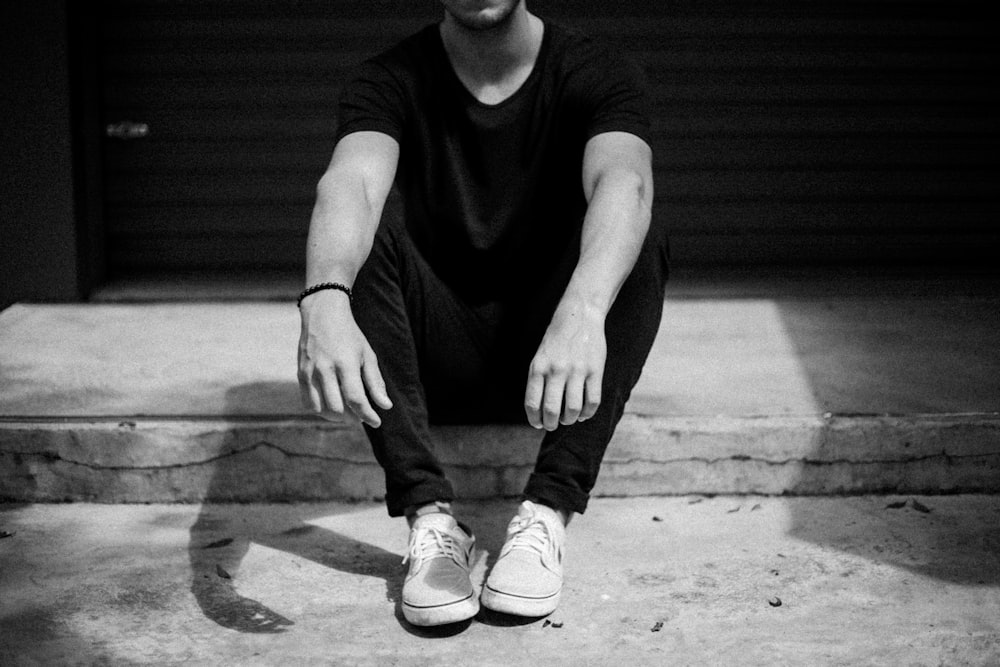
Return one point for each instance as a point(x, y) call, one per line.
point(617, 94)
point(373, 100)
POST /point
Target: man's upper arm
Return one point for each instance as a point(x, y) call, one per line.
point(620, 154)
point(366, 159)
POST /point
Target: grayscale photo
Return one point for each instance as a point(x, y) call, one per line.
point(499, 332)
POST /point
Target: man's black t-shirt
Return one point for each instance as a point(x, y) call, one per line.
point(493, 192)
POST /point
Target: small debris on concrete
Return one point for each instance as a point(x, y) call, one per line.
point(775, 602)
point(775, 572)
point(920, 507)
point(224, 542)
point(695, 501)
point(657, 626)
point(915, 504)
point(734, 510)
point(557, 624)
point(221, 572)
point(782, 556)
point(657, 518)
point(547, 623)
point(4, 533)
point(755, 507)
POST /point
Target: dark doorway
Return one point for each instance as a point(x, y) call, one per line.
point(218, 120)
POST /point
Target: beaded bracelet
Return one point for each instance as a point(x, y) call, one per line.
point(322, 286)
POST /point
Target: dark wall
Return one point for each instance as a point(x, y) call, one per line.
point(829, 131)
point(38, 241)
point(787, 132)
point(812, 132)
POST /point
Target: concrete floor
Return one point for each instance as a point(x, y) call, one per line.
point(650, 581)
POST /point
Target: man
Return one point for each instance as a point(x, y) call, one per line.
point(514, 278)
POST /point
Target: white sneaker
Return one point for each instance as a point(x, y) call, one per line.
point(527, 577)
point(437, 589)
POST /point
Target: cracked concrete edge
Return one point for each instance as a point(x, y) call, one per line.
point(137, 443)
point(157, 460)
point(134, 443)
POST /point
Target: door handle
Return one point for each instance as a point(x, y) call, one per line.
point(126, 130)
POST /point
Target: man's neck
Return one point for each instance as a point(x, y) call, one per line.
point(494, 56)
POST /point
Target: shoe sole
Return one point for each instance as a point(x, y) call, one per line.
point(519, 605)
point(442, 614)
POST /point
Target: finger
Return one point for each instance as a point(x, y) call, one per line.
point(533, 399)
point(311, 398)
point(573, 400)
point(307, 392)
point(553, 401)
point(332, 402)
point(592, 396)
point(374, 383)
point(356, 400)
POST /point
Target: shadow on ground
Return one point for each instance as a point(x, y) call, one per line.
point(219, 543)
point(37, 636)
point(223, 533)
point(931, 536)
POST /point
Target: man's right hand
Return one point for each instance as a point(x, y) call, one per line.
point(338, 370)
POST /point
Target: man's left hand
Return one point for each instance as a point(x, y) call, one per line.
point(564, 379)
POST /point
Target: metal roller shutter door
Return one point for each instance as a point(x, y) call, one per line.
point(787, 132)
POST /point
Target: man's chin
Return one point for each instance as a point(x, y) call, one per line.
point(485, 20)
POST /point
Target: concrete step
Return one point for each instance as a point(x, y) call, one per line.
point(805, 391)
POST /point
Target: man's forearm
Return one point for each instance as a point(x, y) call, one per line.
point(614, 228)
point(341, 231)
point(565, 376)
point(349, 201)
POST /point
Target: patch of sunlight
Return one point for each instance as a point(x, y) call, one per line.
point(723, 357)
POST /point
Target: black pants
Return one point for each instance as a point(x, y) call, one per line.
point(445, 361)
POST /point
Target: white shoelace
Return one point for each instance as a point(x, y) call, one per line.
point(430, 542)
point(533, 534)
